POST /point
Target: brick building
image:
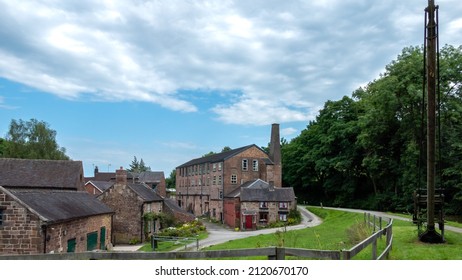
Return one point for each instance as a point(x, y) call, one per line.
point(202, 183)
point(258, 203)
point(97, 187)
point(43, 211)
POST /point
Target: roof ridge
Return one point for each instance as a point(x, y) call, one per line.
point(218, 156)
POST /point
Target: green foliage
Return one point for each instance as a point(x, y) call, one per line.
point(358, 232)
point(2, 146)
point(171, 180)
point(190, 229)
point(294, 217)
point(31, 139)
point(138, 166)
point(134, 241)
point(368, 150)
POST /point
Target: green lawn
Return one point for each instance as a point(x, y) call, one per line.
point(166, 246)
point(333, 234)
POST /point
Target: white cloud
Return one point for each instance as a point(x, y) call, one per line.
point(287, 58)
point(288, 131)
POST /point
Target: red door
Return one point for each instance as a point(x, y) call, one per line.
point(248, 221)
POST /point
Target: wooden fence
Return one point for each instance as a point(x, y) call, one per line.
point(376, 223)
point(272, 253)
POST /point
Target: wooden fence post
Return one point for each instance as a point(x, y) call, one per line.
point(346, 255)
point(374, 249)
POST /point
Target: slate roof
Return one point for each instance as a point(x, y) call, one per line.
point(148, 176)
point(34, 173)
point(102, 176)
point(259, 190)
point(173, 206)
point(147, 194)
point(101, 185)
point(60, 205)
point(218, 157)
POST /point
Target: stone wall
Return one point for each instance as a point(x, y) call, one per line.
point(127, 221)
point(58, 235)
point(22, 232)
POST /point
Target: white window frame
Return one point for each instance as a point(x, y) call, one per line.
point(283, 205)
point(245, 164)
point(255, 165)
point(234, 179)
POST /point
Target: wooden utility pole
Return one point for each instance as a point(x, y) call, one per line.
point(430, 235)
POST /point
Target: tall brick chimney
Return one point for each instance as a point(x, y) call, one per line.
point(275, 155)
point(121, 176)
point(275, 144)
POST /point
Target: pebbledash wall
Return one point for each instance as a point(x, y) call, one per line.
point(22, 232)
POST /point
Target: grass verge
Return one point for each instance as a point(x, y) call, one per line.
point(333, 234)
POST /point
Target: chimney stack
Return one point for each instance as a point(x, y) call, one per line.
point(275, 156)
point(275, 144)
point(121, 176)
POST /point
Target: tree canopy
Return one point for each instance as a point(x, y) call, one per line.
point(171, 180)
point(138, 166)
point(367, 150)
point(31, 139)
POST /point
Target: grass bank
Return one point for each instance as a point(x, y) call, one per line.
point(337, 230)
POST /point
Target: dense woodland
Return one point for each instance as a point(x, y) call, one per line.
point(369, 150)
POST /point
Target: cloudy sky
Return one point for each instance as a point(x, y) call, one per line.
point(168, 81)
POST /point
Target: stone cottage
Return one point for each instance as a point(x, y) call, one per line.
point(258, 203)
point(131, 201)
point(43, 209)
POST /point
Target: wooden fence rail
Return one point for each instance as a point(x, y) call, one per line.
point(272, 253)
point(372, 240)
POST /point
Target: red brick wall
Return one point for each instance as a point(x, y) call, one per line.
point(89, 188)
point(231, 166)
point(234, 166)
point(232, 213)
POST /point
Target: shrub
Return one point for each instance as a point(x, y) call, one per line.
point(184, 230)
point(134, 241)
point(358, 232)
